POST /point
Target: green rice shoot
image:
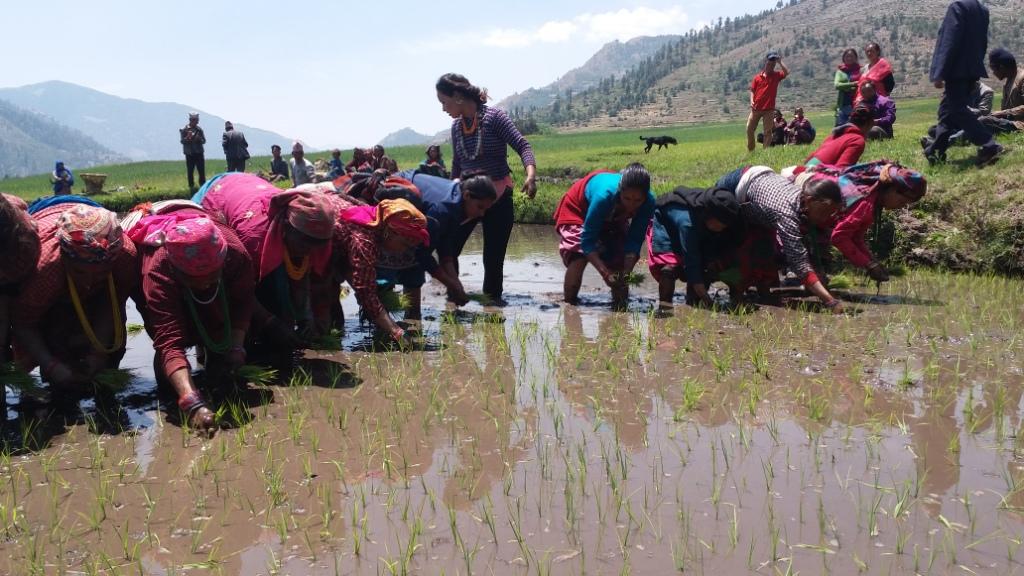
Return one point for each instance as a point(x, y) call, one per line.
point(393, 300)
point(134, 329)
point(20, 381)
point(635, 278)
point(482, 299)
point(113, 379)
point(840, 282)
point(327, 342)
point(258, 375)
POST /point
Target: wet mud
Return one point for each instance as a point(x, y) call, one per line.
point(536, 438)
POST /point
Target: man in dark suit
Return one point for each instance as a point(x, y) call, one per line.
point(236, 149)
point(957, 64)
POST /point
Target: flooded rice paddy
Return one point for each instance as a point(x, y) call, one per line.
point(538, 439)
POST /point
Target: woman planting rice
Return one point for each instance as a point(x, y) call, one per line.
point(19, 254)
point(688, 224)
point(69, 317)
point(287, 236)
point(197, 290)
point(361, 234)
point(601, 221)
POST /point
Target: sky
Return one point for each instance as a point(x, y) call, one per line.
point(325, 72)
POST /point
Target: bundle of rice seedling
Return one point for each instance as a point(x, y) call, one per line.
point(840, 282)
point(20, 381)
point(113, 379)
point(482, 299)
point(635, 278)
point(258, 375)
point(328, 342)
point(393, 300)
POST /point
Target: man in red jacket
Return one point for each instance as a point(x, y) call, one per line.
point(763, 90)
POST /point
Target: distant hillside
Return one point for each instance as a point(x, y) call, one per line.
point(30, 144)
point(614, 58)
point(136, 129)
point(705, 75)
point(406, 137)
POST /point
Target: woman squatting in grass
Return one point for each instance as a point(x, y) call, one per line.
point(69, 316)
point(867, 189)
point(287, 236)
point(688, 225)
point(197, 290)
point(602, 220)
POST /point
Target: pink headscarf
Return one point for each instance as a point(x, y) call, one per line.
point(194, 244)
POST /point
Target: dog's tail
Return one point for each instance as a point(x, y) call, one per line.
point(642, 138)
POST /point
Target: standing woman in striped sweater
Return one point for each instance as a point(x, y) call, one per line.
point(480, 135)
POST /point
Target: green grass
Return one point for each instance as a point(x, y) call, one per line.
point(968, 221)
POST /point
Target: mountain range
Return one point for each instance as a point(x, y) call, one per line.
point(30, 143)
point(131, 128)
point(704, 75)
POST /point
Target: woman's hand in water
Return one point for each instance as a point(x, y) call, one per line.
point(877, 272)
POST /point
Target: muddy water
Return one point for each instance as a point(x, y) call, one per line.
point(543, 439)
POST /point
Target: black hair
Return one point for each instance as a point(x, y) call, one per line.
point(861, 115)
point(272, 146)
point(868, 83)
point(1002, 58)
point(849, 51)
point(10, 225)
point(478, 186)
point(823, 189)
point(635, 176)
point(875, 46)
point(452, 84)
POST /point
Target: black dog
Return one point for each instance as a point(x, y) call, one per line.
point(660, 141)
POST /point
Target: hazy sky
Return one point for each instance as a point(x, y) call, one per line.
point(326, 72)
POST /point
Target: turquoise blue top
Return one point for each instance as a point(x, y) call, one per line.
point(602, 194)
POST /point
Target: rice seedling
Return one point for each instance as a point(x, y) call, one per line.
point(257, 375)
point(113, 379)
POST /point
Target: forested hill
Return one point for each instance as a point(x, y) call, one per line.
point(705, 75)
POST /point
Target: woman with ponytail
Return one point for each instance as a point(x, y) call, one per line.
point(480, 137)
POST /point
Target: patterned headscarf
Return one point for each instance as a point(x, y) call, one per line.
point(88, 234)
point(307, 211)
point(194, 244)
point(857, 182)
point(399, 216)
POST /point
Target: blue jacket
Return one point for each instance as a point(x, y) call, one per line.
point(961, 44)
point(441, 202)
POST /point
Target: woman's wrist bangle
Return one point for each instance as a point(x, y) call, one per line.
point(832, 303)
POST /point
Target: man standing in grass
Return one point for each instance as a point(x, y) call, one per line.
point(192, 141)
point(763, 90)
point(957, 64)
point(236, 149)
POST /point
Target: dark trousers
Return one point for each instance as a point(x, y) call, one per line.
point(954, 116)
point(195, 162)
point(236, 164)
point(497, 224)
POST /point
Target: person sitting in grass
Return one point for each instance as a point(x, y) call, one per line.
point(799, 130)
point(359, 162)
point(882, 109)
point(69, 315)
point(287, 236)
point(361, 235)
point(278, 165)
point(867, 189)
point(197, 290)
point(433, 164)
point(62, 179)
point(602, 220)
point(19, 254)
point(448, 205)
point(688, 223)
point(773, 203)
point(337, 168)
point(845, 145)
point(1010, 117)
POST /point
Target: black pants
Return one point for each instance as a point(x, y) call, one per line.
point(236, 164)
point(497, 224)
point(954, 115)
point(195, 162)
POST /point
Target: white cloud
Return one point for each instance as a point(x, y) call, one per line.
point(593, 28)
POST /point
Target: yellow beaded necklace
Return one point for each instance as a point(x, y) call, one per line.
point(115, 311)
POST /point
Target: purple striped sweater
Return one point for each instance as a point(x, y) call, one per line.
point(498, 132)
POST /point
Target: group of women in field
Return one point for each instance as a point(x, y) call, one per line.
point(243, 264)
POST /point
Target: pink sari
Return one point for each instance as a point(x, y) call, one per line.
point(875, 74)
